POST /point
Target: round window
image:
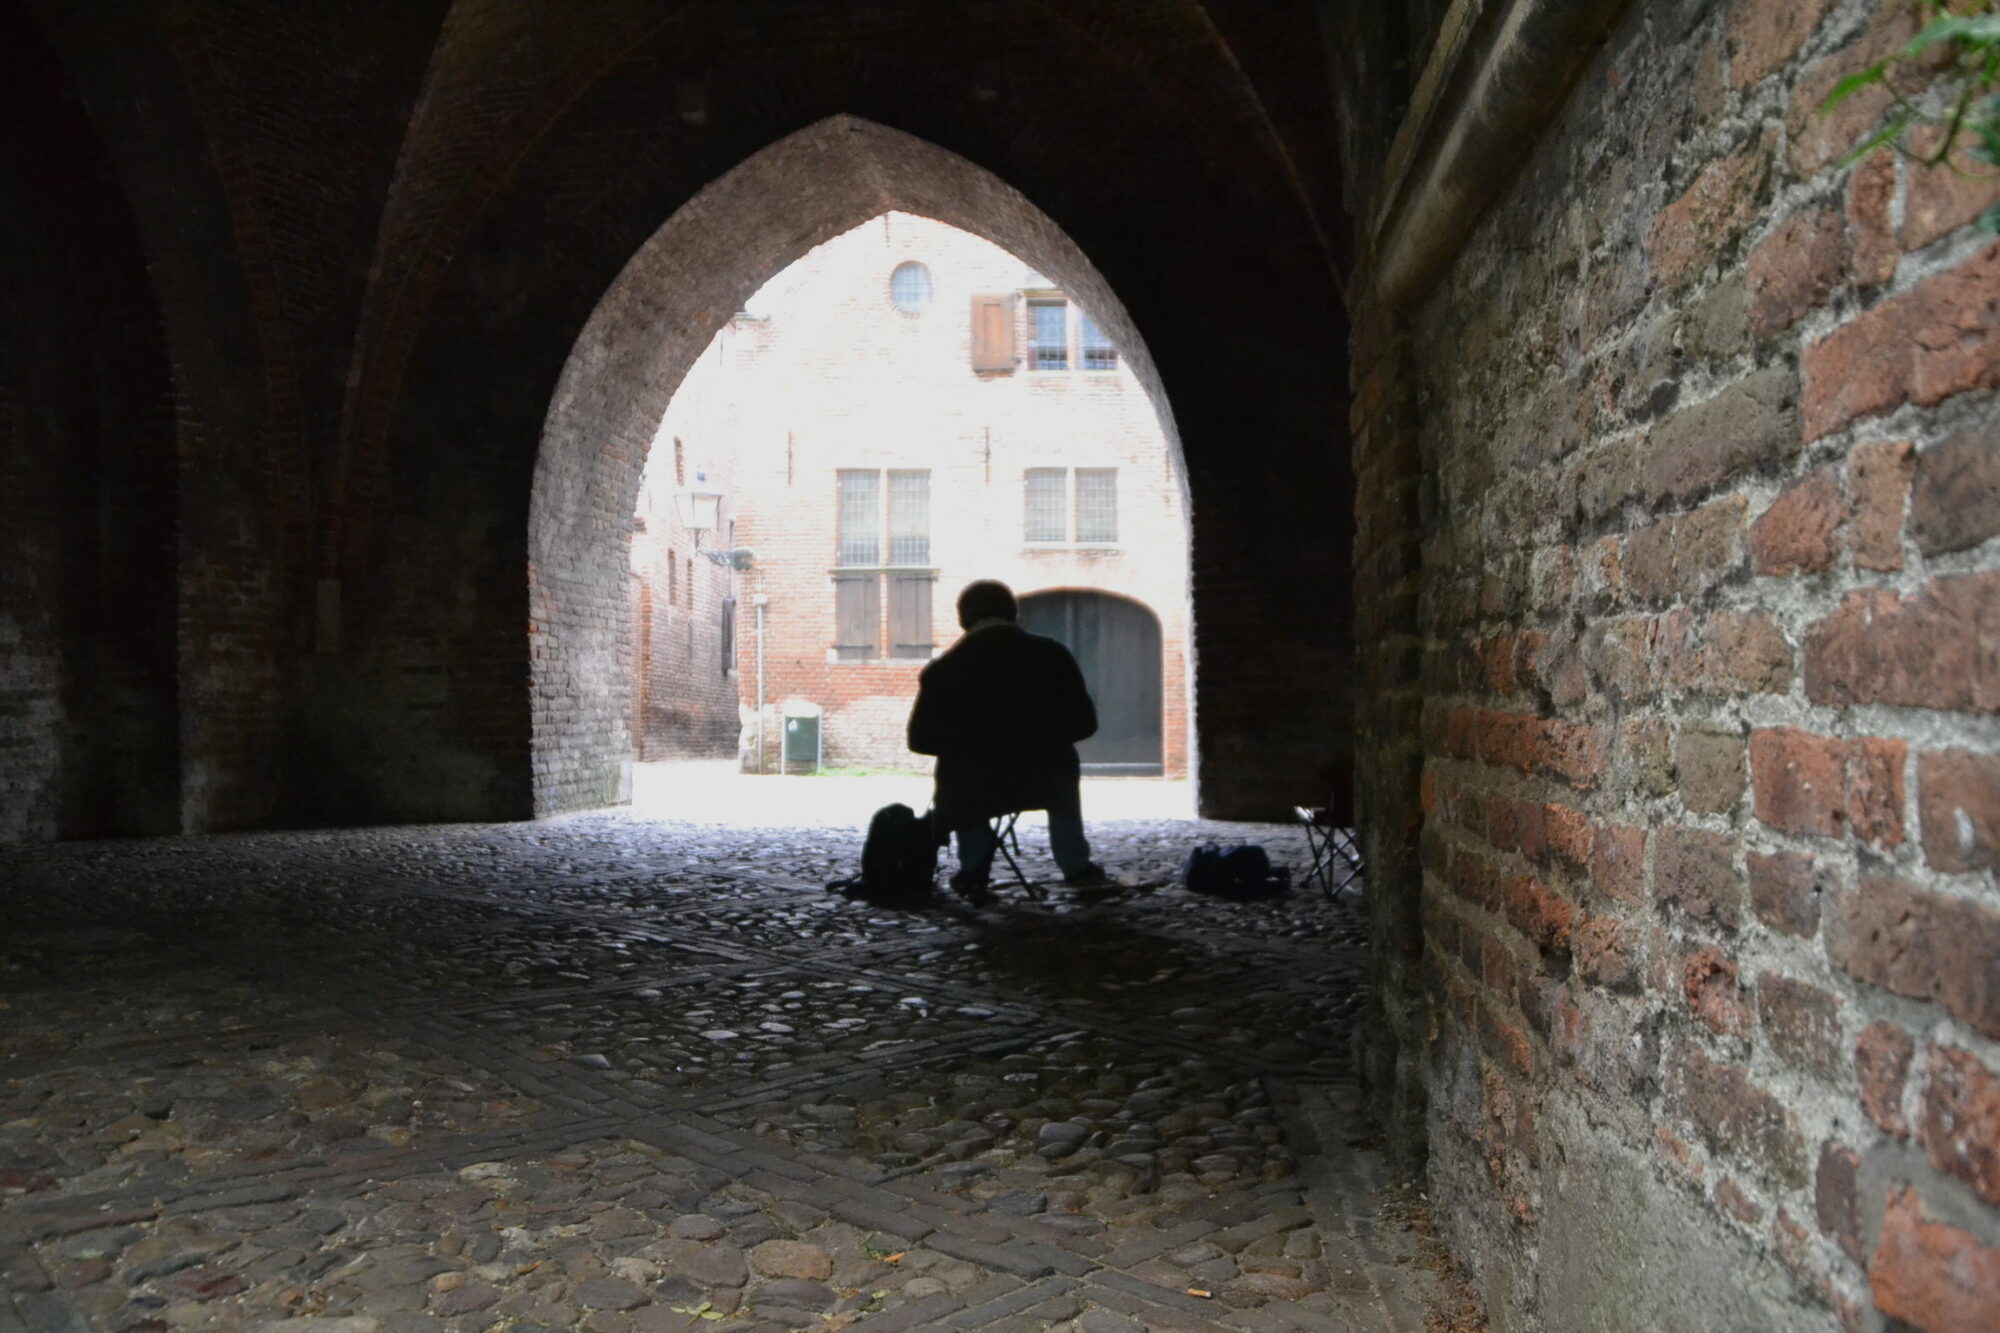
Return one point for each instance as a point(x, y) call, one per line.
point(910, 288)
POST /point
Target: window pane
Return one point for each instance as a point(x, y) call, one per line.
point(910, 287)
point(860, 539)
point(857, 608)
point(1045, 505)
point(1048, 334)
point(1097, 504)
point(909, 518)
point(1098, 353)
point(910, 615)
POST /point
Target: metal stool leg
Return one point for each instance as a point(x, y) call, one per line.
point(1335, 856)
point(1008, 843)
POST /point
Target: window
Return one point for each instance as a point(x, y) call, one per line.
point(1097, 351)
point(1049, 329)
point(909, 518)
point(1050, 504)
point(1045, 505)
point(870, 509)
point(1048, 335)
point(860, 518)
point(1097, 504)
point(910, 288)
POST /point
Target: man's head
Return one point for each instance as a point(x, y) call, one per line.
point(986, 599)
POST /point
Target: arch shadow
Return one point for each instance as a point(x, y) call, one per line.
point(655, 319)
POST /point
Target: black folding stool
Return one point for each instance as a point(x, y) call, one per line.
point(1336, 857)
point(1008, 844)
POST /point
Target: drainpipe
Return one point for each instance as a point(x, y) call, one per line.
point(760, 600)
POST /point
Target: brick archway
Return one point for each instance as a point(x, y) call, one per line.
point(666, 304)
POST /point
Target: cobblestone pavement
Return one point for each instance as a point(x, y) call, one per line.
point(611, 1074)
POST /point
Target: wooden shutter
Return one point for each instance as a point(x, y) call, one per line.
point(910, 615)
point(993, 332)
point(728, 635)
point(857, 606)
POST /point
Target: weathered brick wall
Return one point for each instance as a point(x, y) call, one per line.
point(375, 237)
point(1388, 757)
point(687, 689)
point(38, 397)
point(87, 736)
point(1711, 781)
point(830, 375)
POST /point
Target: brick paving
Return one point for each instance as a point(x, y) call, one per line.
point(622, 1074)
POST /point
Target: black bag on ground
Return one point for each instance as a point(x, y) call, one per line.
point(1238, 870)
point(898, 862)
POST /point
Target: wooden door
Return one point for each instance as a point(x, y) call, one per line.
point(1117, 645)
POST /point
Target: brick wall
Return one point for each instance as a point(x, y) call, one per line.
point(87, 642)
point(830, 375)
point(1704, 430)
point(687, 688)
point(374, 239)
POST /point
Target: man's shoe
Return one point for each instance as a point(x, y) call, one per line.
point(972, 889)
point(1092, 876)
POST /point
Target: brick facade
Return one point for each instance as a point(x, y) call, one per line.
point(829, 375)
point(1642, 572)
point(1699, 648)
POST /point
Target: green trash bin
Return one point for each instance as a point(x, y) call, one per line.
point(802, 742)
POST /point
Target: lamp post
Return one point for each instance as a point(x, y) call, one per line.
point(697, 506)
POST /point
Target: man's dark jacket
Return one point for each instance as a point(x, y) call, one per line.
point(1002, 710)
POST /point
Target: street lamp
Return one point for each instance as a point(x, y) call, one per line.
point(697, 506)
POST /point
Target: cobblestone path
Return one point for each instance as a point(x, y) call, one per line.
point(607, 1074)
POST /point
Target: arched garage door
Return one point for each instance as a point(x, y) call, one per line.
point(1117, 643)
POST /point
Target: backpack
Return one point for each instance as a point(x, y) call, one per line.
point(1239, 870)
point(898, 861)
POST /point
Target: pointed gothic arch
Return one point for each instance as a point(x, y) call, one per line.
point(654, 320)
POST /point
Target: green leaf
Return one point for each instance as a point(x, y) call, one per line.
point(1976, 32)
point(1853, 83)
point(1887, 134)
point(1990, 219)
point(1987, 149)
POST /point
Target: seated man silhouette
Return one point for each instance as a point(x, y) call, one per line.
point(1002, 710)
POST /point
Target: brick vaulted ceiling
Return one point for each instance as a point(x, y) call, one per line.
point(1134, 125)
point(377, 231)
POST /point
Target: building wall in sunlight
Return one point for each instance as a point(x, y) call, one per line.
point(977, 428)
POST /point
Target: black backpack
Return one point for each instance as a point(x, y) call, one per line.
point(898, 862)
point(1240, 870)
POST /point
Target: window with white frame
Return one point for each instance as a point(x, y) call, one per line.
point(877, 514)
point(1069, 505)
point(1048, 335)
point(1062, 336)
